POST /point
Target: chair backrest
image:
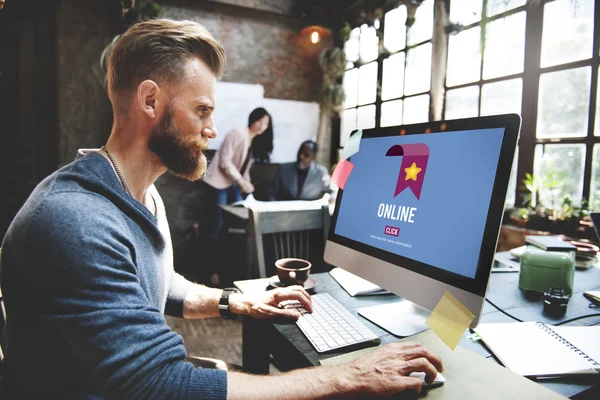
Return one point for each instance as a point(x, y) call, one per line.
point(283, 234)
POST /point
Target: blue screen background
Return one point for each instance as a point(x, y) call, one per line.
point(452, 211)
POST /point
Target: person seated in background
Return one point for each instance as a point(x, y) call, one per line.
point(303, 179)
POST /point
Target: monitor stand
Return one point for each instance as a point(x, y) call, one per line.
point(403, 318)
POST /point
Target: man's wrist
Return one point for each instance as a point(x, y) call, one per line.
point(346, 380)
point(237, 303)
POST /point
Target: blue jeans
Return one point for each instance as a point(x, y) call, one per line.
point(225, 196)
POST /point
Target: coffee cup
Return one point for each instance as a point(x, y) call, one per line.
point(292, 271)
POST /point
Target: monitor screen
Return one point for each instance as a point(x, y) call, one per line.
point(423, 196)
point(421, 209)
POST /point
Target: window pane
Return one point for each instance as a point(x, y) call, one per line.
point(351, 47)
point(595, 186)
point(394, 37)
point(465, 12)
point(369, 43)
point(418, 70)
point(422, 29)
point(563, 105)
point(366, 117)
point(393, 77)
point(464, 57)
point(568, 31)
point(367, 83)
point(502, 97)
point(351, 88)
point(504, 46)
point(391, 113)
point(597, 130)
point(416, 109)
point(347, 125)
point(499, 6)
point(462, 103)
point(559, 169)
point(512, 182)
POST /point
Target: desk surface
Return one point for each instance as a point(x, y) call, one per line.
point(292, 350)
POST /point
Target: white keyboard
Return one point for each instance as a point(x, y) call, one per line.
point(330, 326)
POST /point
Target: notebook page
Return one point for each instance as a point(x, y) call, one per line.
point(529, 350)
point(585, 338)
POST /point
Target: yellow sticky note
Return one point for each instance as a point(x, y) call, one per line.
point(449, 320)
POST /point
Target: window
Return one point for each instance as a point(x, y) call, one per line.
point(406, 77)
point(388, 87)
point(536, 59)
point(566, 142)
point(486, 62)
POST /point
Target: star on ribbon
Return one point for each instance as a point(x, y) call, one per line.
point(412, 172)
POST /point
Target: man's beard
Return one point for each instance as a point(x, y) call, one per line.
point(184, 158)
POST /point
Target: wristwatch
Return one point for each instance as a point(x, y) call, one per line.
point(224, 303)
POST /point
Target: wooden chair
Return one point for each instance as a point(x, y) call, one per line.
point(283, 234)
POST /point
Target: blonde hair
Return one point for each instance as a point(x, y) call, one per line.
point(158, 49)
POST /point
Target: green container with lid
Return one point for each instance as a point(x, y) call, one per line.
point(542, 270)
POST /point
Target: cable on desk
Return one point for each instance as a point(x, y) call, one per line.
point(560, 323)
point(578, 318)
point(502, 311)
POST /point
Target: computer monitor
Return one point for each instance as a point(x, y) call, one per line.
point(421, 211)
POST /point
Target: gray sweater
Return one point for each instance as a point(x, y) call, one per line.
point(86, 275)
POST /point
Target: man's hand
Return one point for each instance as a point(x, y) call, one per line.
point(385, 371)
point(266, 305)
point(245, 186)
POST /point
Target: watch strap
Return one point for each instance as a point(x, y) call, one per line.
point(224, 309)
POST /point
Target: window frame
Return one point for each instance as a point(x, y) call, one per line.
point(532, 71)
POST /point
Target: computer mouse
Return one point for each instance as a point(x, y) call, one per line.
point(437, 382)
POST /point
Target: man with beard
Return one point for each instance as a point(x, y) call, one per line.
point(87, 264)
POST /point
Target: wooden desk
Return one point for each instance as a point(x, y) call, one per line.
point(290, 349)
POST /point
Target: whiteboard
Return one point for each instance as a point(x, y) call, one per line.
point(235, 102)
point(293, 123)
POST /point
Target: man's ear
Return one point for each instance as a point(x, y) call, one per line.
point(147, 97)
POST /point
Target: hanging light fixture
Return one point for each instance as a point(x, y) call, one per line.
point(315, 33)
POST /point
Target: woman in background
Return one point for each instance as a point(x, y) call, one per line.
point(228, 174)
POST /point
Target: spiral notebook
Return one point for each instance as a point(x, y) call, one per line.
point(539, 350)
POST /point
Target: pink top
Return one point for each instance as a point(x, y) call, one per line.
point(224, 169)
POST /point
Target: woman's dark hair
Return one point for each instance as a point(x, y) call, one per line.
point(262, 145)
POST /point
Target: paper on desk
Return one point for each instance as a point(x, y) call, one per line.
point(341, 173)
point(289, 205)
point(353, 145)
point(449, 320)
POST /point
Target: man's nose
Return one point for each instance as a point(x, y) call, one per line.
point(209, 133)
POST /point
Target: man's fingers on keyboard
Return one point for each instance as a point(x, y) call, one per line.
point(300, 296)
point(305, 294)
point(287, 312)
point(419, 365)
